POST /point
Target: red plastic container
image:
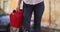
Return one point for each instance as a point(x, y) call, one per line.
point(16, 19)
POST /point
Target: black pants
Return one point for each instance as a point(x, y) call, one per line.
point(38, 12)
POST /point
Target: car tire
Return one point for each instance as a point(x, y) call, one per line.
point(8, 28)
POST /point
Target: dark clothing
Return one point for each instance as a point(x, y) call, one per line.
point(38, 12)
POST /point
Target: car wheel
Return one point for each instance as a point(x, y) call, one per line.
point(8, 28)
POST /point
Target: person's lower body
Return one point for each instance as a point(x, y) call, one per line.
point(38, 12)
point(27, 13)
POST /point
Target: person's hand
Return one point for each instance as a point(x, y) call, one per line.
point(18, 8)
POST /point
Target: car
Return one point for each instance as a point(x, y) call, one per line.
point(4, 21)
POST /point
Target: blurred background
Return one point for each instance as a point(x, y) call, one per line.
point(50, 20)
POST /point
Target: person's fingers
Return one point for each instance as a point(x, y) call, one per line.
point(18, 7)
